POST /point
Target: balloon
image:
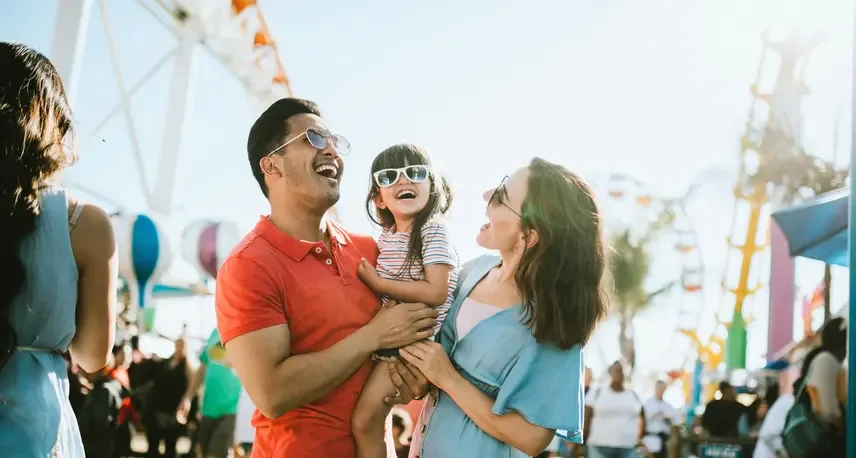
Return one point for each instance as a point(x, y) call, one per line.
point(144, 255)
point(205, 245)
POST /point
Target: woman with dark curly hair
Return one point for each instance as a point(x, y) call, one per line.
point(58, 261)
point(508, 366)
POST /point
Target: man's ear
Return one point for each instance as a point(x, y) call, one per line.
point(269, 167)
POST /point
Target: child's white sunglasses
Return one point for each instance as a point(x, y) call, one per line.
point(388, 177)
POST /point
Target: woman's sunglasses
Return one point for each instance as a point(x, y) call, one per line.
point(388, 177)
point(500, 195)
point(319, 140)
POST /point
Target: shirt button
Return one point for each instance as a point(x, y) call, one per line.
point(318, 249)
point(424, 427)
point(329, 261)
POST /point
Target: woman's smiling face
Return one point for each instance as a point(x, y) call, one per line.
point(504, 207)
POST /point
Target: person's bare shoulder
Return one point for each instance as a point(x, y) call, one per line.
point(93, 238)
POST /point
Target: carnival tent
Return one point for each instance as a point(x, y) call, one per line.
point(817, 229)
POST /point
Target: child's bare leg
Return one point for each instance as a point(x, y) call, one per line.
point(370, 412)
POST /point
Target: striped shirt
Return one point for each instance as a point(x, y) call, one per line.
point(436, 249)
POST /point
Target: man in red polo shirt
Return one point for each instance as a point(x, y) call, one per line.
point(298, 325)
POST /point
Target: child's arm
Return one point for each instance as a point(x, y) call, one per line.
point(432, 291)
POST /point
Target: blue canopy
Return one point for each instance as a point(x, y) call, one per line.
point(817, 229)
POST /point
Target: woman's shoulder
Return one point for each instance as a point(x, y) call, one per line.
point(92, 236)
point(483, 262)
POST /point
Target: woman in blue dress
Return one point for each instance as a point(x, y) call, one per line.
point(508, 367)
point(58, 260)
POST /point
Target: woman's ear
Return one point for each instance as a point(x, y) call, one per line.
point(531, 238)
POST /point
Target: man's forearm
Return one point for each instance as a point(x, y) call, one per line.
point(304, 378)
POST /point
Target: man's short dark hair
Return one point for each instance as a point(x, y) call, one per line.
point(270, 129)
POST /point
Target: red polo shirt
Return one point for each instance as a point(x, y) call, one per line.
point(271, 278)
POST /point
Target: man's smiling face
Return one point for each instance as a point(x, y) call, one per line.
point(302, 171)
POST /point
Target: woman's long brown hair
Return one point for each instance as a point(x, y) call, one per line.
point(562, 276)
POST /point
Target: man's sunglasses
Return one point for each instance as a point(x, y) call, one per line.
point(388, 177)
point(500, 196)
point(319, 140)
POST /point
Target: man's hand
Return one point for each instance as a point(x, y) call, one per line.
point(403, 324)
point(409, 382)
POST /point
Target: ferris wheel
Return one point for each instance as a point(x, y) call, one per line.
point(235, 32)
point(672, 244)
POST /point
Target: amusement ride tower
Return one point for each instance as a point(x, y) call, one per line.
point(773, 129)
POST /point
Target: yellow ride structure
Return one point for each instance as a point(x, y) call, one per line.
point(773, 127)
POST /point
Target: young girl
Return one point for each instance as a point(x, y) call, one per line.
point(417, 263)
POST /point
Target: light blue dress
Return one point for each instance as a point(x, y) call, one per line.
point(500, 356)
point(36, 419)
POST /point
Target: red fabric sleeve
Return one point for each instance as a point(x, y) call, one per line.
point(247, 299)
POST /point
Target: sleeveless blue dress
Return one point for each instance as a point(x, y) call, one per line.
point(36, 419)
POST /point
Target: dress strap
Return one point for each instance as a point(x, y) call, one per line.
point(77, 209)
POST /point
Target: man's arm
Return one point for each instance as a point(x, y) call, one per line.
point(252, 323)
point(278, 381)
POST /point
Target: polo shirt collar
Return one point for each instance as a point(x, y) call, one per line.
point(292, 247)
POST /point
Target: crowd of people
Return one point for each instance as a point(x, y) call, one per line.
point(325, 329)
point(141, 394)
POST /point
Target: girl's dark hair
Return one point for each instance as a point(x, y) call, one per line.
point(833, 339)
point(35, 119)
point(439, 201)
point(561, 277)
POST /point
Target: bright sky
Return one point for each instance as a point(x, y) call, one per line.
point(656, 89)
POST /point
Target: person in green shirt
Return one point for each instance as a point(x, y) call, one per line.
point(221, 390)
